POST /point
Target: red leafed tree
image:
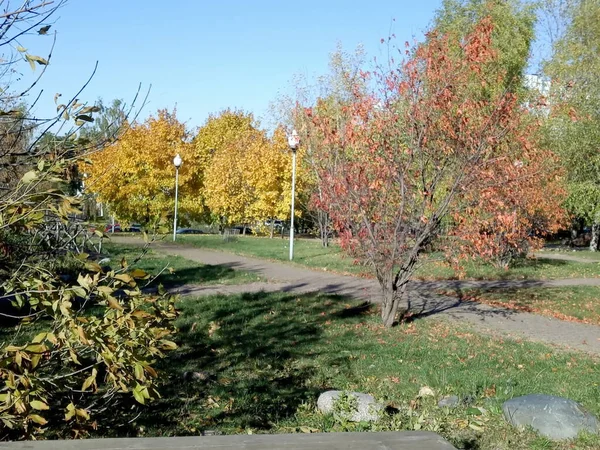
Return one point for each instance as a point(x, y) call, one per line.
point(427, 147)
point(511, 206)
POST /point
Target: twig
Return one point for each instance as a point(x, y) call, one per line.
point(10, 316)
point(25, 10)
point(67, 375)
point(155, 277)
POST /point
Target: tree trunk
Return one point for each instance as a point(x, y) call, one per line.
point(391, 298)
point(595, 237)
point(575, 229)
point(272, 228)
point(323, 222)
point(389, 308)
point(394, 291)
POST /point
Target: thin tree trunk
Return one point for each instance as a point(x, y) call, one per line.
point(272, 228)
point(323, 221)
point(594, 243)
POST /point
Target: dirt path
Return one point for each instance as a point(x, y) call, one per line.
point(424, 301)
point(565, 257)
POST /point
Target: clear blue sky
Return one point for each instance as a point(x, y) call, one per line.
point(204, 56)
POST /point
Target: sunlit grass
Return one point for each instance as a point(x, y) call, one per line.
point(172, 270)
point(264, 359)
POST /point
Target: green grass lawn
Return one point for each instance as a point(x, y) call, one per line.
point(257, 363)
point(530, 269)
point(183, 270)
point(262, 360)
point(309, 253)
point(575, 303)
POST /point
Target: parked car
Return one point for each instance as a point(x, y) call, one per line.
point(277, 224)
point(134, 228)
point(241, 229)
point(109, 228)
point(189, 231)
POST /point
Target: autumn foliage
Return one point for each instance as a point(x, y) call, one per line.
point(233, 171)
point(135, 177)
point(512, 206)
point(437, 145)
point(247, 178)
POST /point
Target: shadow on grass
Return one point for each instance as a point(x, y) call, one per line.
point(453, 303)
point(195, 275)
point(539, 262)
point(354, 311)
point(245, 361)
point(170, 270)
point(534, 265)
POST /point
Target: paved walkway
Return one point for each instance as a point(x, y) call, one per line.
point(424, 301)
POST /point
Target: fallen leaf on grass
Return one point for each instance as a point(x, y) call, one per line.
point(213, 327)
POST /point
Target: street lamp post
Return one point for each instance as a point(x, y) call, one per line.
point(293, 141)
point(177, 161)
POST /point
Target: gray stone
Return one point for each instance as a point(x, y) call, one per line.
point(554, 417)
point(450, 401)
point(211, 433)
point(367, 409)
point(196, 376)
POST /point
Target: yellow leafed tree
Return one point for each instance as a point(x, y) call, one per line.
point(228, 192)
point(219, 131)
point(269, 171)
point(136, 176)
point(248, 175)
point(222, 145)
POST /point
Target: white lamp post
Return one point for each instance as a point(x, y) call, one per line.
point(177, 161)
point(293, 141)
